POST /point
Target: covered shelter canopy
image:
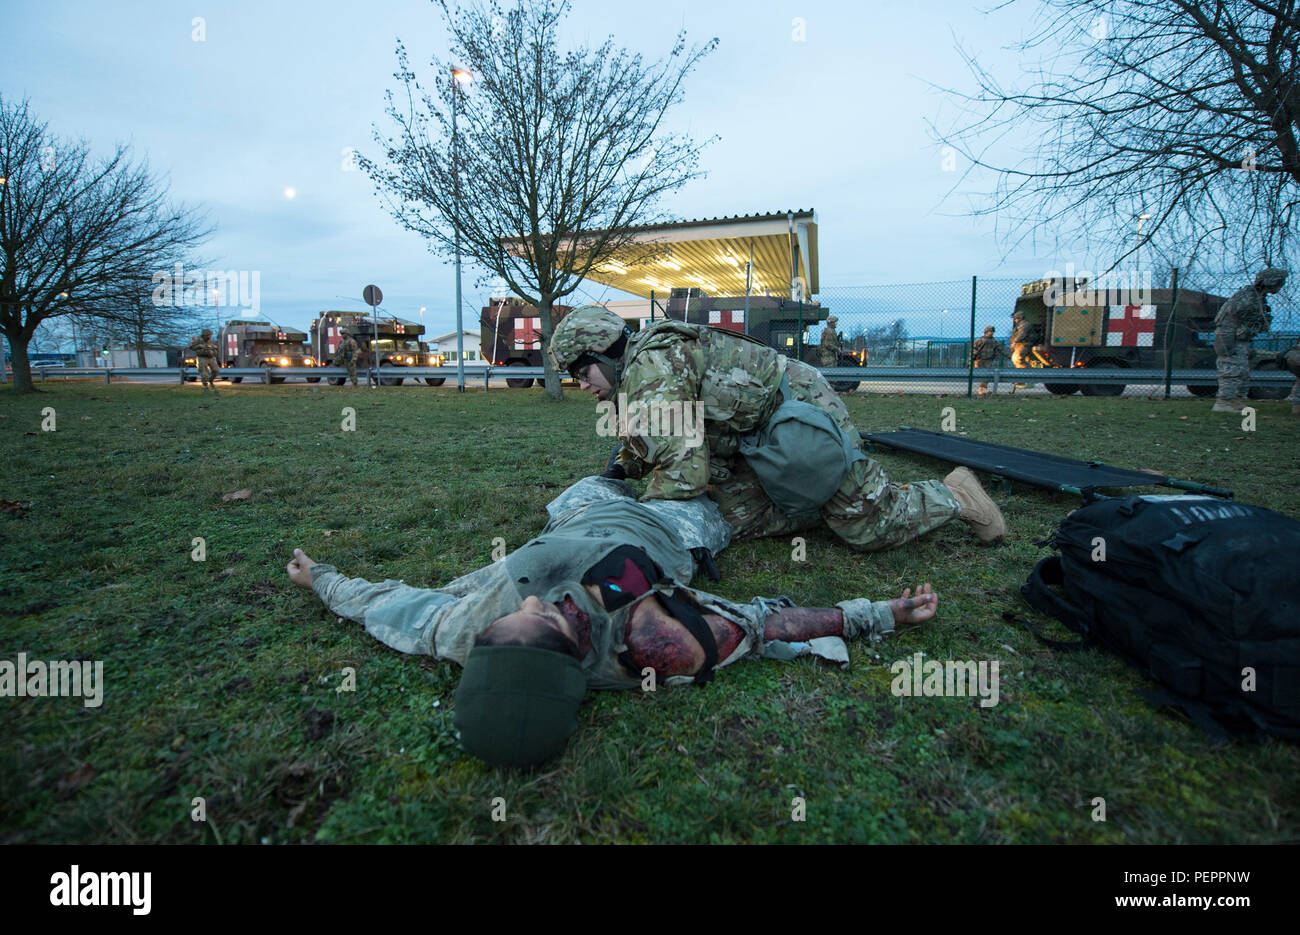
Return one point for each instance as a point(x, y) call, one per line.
point(711, 254)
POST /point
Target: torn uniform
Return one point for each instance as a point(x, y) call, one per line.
point(591, 521)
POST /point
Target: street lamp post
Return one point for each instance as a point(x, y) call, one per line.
point(1141, 219)
point(459, 76)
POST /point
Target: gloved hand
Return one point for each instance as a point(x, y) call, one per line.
point(613, 469)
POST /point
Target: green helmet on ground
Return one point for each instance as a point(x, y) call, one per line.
point(518, 705)
point(587, 331)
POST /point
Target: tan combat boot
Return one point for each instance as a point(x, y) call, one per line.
point(1226, 405)
point(977, 507)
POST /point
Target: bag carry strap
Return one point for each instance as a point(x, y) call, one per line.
point(1043, 599)
point(1010, 617)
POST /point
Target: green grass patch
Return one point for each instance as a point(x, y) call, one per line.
point(221, 677)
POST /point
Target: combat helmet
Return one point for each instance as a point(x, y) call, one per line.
point(589, 335)
point(1270, 278)
point(206, 335)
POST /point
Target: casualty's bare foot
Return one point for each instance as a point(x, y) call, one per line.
point(918, 609)
point(300, 568)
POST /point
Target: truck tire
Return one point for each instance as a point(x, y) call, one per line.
point(1104, 389)
point(846, 386)
point(389, 381)
point(1061, 389)
point(236, 379)
point(1268, 392)
point(435, 381)
point(336, 381)
point(313, 379)
point(519, 383)
point(276, 379)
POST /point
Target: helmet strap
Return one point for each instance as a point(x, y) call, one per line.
point(610, 361)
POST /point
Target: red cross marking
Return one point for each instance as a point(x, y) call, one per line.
point(1130, 325)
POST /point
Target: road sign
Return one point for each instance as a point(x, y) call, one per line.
point(372, 295)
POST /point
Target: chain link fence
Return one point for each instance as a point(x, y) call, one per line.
point(917, 338)
point(918, 326)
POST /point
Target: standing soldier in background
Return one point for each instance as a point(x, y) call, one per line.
point(205, 358)
point(985, 353)
point(1024, 335)
point(1240, 318)
point(347, 354)
point(830, 343)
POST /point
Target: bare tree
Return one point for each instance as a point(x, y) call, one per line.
point(560, 153)
point(1185, 110)
point(74, 232)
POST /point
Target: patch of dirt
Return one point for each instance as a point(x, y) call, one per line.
point(319, 723)
point(70, 782)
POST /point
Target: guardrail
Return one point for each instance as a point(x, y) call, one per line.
point(1079, 376)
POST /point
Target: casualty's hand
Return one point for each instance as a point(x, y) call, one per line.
point(300, 568)
point(918, 609)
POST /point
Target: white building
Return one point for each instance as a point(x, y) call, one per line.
point(445, 344)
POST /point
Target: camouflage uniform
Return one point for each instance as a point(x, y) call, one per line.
point(1240, 318)
point(738, 382)
point(985, 353)
point(205, 358)
point(830, 343)
point(347, 357)
point(587, 522)
point(1024, 335)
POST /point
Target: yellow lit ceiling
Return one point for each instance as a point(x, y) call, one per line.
point(711, 253)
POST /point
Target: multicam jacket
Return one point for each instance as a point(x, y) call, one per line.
point(988, 349)
point(1244, 315)
point(736, 378)
point(202, 348)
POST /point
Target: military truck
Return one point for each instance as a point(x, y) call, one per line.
point(510, 330)
point(243, 343)
point(1086, 327)
point(779, 323)
point(510, 335)
point(397, 345)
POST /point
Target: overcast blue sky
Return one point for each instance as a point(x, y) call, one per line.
point(276, 92)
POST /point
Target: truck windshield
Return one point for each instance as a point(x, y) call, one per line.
point(389, 344)
point(275, 347)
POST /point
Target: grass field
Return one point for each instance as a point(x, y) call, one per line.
point(221, 677)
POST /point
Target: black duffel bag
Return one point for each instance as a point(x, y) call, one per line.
point(1201, 594)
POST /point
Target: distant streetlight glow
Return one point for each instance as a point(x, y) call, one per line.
point(289, 193)
point(462, 76)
